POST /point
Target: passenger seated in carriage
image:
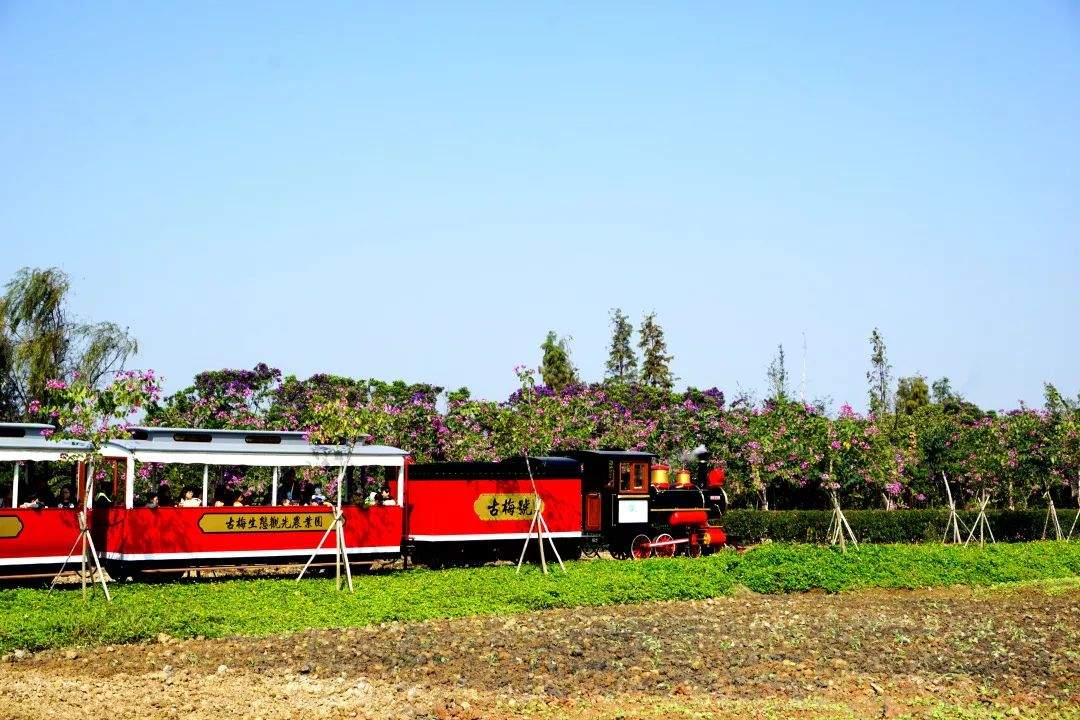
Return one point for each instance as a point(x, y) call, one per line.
point(189, 499)
point(65, 502)
point(385, 498)
point(32, 503)
point(153, 501)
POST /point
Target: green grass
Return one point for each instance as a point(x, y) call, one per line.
point(33, 619)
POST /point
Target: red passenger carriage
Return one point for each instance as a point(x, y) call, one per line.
point(36, 541)
point(147, 538)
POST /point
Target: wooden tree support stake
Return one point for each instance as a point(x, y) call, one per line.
point(955, 523)
point(89, 550)
point(341, 554)
point(839, 529)
point(1052, 520)
point(982, 525)
point(539, 524)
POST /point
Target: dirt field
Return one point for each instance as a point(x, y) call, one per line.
point(938, 653)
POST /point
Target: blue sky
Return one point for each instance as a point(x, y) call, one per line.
point(423, 190)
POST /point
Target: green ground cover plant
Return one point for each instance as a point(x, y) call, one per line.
point(33, 619)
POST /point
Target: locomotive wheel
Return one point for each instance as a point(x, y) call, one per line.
point(641, 547)
point(664, 550)
point(693, 549)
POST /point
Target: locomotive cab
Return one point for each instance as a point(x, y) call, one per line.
point(631, 506)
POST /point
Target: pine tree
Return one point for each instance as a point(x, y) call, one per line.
point(879, 376)
point(655, 370)
point(622, 363)
point(555, 367)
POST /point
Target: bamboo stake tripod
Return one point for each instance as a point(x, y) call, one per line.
point(88, 547)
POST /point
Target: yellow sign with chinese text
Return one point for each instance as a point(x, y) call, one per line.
point(506, 506)
point(10, 526)
point(264, 522)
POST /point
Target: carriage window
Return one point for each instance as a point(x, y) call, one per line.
point(7, 477)
point(633, 477)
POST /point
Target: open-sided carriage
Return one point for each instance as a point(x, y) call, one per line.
point(36, 535)
point(136, 539)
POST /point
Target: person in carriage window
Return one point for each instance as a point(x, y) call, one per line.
point(66, 502)
point(385, 498)
point(188, 499)
point(153, 501)
point(32, 503)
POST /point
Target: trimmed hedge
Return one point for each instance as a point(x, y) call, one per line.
point(746, 527)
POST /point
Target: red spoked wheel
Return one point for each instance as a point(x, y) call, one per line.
point(664, 545)
point(640, 547)
point(693, 549)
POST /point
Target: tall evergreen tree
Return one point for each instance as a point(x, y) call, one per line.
point(655, 369)
point(622, 364)
point(879, 376)
point(555, 367)
point(777, 374)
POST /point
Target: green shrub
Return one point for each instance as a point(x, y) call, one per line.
point(746, 527)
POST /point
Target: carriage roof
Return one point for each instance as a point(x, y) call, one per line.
point(26, 441)
point(266, 448)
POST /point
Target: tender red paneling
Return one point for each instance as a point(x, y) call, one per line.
point(460, 508)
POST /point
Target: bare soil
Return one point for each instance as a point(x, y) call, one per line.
point(936, 653)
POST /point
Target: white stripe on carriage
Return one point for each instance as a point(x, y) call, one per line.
point(40, 560)
point(251, 553)
point(493, 536)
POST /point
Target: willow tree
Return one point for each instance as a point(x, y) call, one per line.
point(40, 341)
